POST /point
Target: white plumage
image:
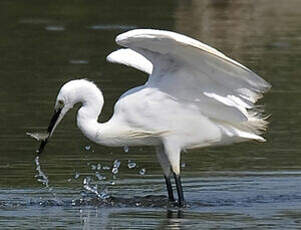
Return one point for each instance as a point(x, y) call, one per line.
point(195, 96)
point(193, 73)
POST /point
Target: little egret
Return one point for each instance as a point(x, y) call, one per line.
point(194, 97)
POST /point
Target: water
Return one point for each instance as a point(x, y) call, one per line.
point(248, 185)
point(41, 177)
point(55, 28)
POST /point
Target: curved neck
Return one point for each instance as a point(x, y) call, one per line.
point(92, 103)
point(87, 121)
point(109, 133)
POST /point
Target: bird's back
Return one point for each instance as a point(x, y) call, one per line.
point(148, 116)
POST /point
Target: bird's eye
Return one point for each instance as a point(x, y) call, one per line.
point(61, 103)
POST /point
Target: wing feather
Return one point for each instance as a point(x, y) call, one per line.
point(189, 70)
point(131, 58)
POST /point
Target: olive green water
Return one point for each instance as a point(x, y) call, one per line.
point(46, 43)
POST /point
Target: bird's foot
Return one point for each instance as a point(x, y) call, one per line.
point(182, 204)
point(174, 203)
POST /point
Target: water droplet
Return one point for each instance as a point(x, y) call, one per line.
point(183, 165)
point(106, 168)
point(131, 164)
point(93, 167)
point(138, 204)
point(87, 180)
point(115, 170)
point(76, 176)
point(98, 166)
point(89, 188)
point(142, 171)
point(116, 164)
point(126, 149)
point(87, 147)
point(99, 177)
point(41, 177)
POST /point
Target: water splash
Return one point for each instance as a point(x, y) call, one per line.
point(42, 178)
point(76, 176)
point(116, 165)
point(89, 187)
point(87, 180)
point(93, 188)
point(41, 175)
point(99, 176)
point(94, 185)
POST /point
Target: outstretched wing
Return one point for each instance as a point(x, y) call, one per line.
point(196, 73)
point(131, 58)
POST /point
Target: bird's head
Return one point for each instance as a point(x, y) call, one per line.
point(70, 94)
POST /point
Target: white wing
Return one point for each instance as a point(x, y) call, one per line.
point(131, 58)
point(196, 73)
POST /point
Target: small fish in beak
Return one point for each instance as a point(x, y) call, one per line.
point(42, 136)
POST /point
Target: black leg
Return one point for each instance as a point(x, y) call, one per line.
point(169, 189)
point(179, 190)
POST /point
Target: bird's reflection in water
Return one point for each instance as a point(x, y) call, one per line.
point(174, 218)
point(171, 214)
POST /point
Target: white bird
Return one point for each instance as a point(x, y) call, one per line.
point(195, 97)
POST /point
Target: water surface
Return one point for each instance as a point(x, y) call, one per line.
point(247, 185)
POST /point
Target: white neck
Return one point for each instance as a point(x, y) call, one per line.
point(101, 133)
point(111, 133)
point(92, 102)
point(87, 93)
point(87, 121)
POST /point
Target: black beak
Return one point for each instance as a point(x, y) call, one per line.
point(49, 129)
